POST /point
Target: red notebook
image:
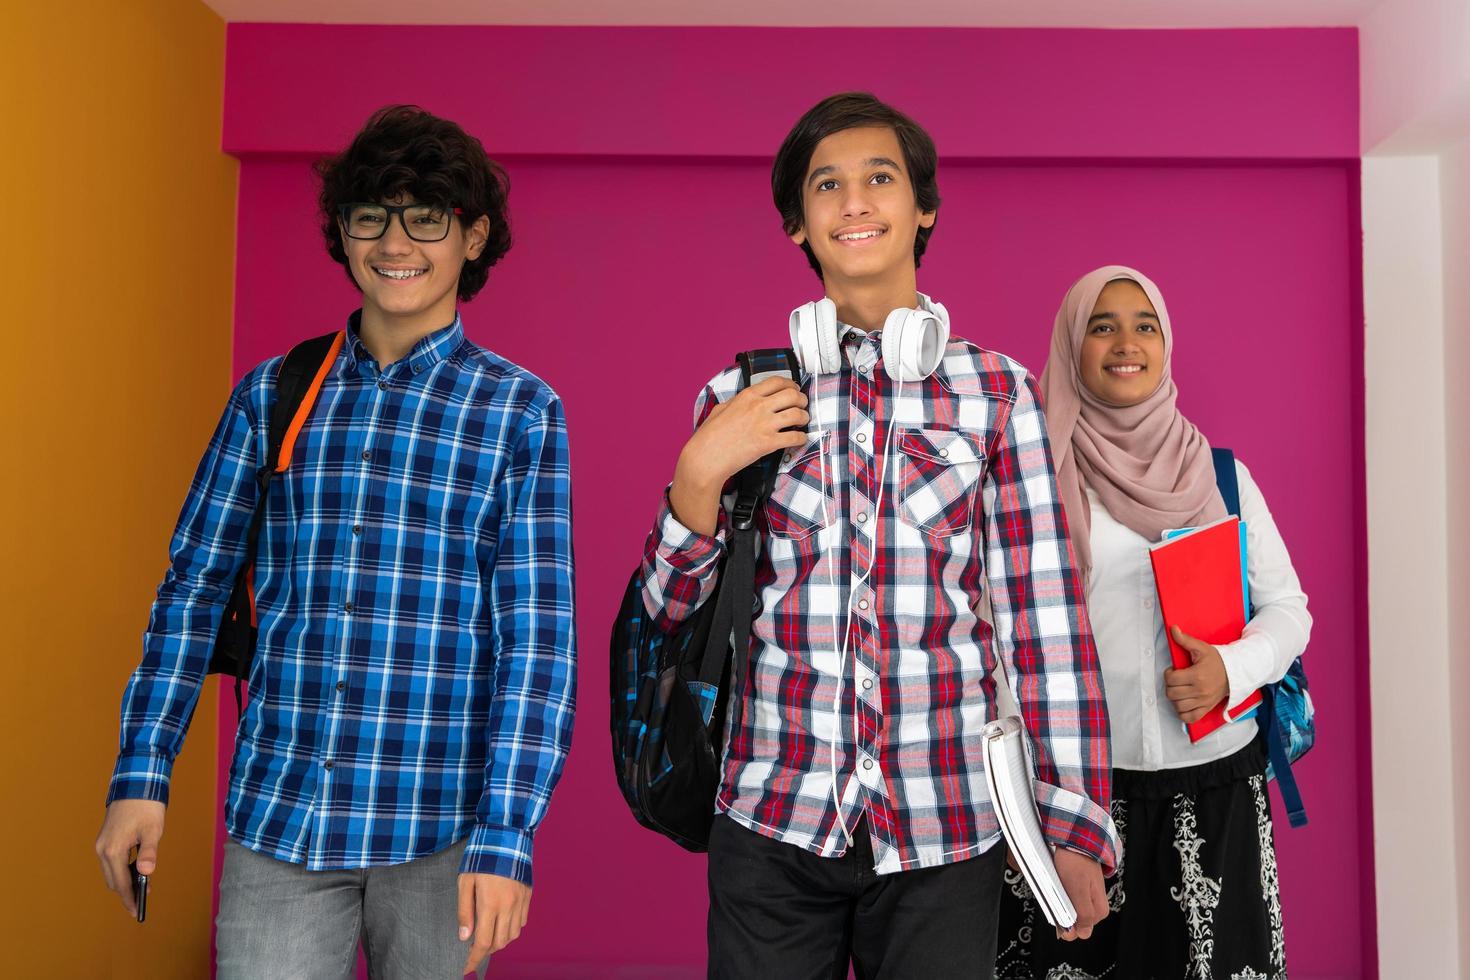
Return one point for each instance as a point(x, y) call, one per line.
point(1198, 576)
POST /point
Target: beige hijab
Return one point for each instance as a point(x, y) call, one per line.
point(1148, 464)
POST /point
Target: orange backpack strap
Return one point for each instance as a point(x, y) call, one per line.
point(297, 386)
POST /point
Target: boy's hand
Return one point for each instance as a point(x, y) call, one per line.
point(735, 434)
point(129, 824)
point(493, 910)
point(1083, 879)
point(1195, 690)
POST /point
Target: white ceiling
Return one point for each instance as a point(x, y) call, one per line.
point(811, 13)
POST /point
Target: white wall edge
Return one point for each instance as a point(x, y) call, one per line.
point(1418, 900)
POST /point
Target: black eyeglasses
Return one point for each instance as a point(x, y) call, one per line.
point(421, 222)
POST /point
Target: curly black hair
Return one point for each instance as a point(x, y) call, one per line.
point(404, 149)
point(834, 114)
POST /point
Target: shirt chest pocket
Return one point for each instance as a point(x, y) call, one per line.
point(800, 501)
point(939, 472)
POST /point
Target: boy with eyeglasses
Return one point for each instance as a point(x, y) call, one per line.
point(412, 686)
point(855, 826)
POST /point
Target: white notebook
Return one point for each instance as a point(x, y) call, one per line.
point(1008, 774)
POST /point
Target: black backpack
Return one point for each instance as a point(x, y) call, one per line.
point(671, 692)
point(297, 384)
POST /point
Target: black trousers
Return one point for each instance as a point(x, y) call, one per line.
point(779, 912)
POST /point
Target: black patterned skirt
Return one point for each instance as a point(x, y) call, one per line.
point(1196, 895)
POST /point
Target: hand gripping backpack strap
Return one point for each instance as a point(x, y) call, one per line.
point(298, 382)
point(731, 626)
point(1276, 748)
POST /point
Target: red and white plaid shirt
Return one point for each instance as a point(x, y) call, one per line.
point(969, 509)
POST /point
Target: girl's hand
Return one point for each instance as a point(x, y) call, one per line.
point(1197, 689)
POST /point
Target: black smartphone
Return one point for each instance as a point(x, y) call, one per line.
point(140, 889)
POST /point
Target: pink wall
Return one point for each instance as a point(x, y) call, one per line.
point(672, 91)
point(648, 251)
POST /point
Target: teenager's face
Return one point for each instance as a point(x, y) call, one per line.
point(404, 279)
point(860, 212)
point(1123, 349)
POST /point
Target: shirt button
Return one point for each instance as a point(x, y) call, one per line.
point(341, 685)
point(867, 763)
point(862, 437)
point(944, 453)
point(862, 518)
point(382, 384)
point(367, 454)
point(867, 683)
point(327, 765)
point(1148, 699)
point(357, 529)
point(417, 368)
point(1148, 603)
point(862, 603)
point(348, 607)
point(786, 458)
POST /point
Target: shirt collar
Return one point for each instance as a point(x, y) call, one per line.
point(855, 346)
point(430, 350)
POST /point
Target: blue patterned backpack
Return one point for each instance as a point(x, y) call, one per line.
point(1287, 718)
point(671, 693)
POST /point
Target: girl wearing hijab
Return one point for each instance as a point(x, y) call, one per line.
point(1196, 893)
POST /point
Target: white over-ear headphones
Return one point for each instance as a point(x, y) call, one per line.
point(913, 339)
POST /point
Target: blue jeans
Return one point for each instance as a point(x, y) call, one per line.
point(279, 921)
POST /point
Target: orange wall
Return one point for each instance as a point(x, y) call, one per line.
point(117, 245)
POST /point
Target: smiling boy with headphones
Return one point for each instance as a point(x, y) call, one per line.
point(855, 823)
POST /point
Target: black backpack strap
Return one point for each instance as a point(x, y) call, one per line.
point(736, 599)
point(301, 372)
point(737, 612)
point(753, 484)
point(299, 376)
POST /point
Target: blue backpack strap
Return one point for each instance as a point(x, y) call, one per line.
point(1296, 812)
point(1225, 479)
point(1291, 797)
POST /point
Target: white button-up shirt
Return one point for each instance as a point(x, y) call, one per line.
point(1122, 601)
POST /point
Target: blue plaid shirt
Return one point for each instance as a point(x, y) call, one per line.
point(414, 679)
